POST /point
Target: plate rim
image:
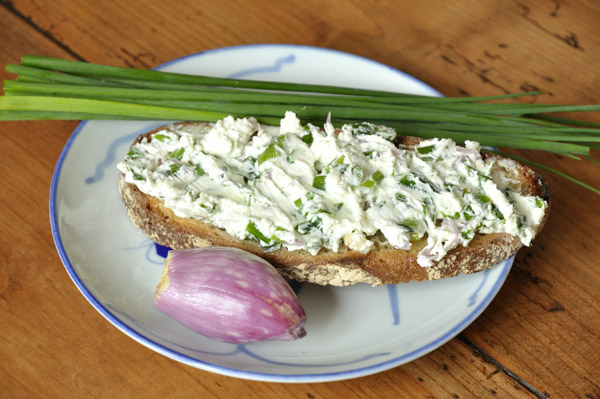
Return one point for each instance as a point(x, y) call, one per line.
point(230, 371)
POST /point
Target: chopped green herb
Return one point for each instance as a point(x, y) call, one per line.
point(252, 229)
point(482, 198)
point(409, 224)
point(208, 207)
point(178, 153)
point(498, 214)
point(450, 187)
point(269, 153)
point(365, 128)
point(161, 137)
point(539, 202)
point(369, 183)
point(377, 176)
point(413, 236)
point(426, 149)
point(468, 212)
point(199, 170)
point(308, 138)
point(408, 182)
point(400, 197)
point(521, 221)
point(357, 172)
point(134, 153)
point(275, 238)
point(281, 140)
point(137, 176)
point(299, 204)
point(319, 182)
point(483, 177)
point(309, 226)
point(455, 216)
point(173, 169)
point(427, 203)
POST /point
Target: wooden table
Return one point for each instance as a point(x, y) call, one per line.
point(539, 338)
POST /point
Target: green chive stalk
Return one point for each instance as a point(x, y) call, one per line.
point(52, 88)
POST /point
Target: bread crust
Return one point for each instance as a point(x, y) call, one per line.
point(383, 265)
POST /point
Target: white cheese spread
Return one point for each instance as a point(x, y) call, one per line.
point(310, 188)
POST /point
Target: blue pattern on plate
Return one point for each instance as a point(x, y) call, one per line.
point(243, 349)
point(473, 297)
point(276, 67)
point(394, 305)
point(109, 160)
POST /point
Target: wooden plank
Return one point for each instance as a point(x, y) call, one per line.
point(543, 326)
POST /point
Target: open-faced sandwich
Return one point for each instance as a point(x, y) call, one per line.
point(332, 205)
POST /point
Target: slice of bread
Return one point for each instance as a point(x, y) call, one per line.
point(382, 265)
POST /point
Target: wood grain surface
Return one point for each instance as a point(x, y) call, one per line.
point(538, 339)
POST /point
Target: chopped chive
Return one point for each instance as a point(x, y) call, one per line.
point(483, 177)
point(456, 215)
point(255, 232)
point(199, 170)
point(281, 140)
point(134, 153)
point(369, 183)
point(357, 172)
point(161, 137)
point(408, 182)
point(468, 213)
point(309, 226)
point(308, 138)
point(539, 202)
point(269, 153)
point(496, 212)
point(139, 177)
point(482, 198)
point(275, 238)
point(410, 225)
point(174, 168)
point(319, 182)
point(426, 149)
point(208, 207)
point(400, 197)
point(178, 153)
point(413, 236)
point(377, 176)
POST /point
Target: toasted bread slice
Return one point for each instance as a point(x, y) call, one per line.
point(382, 265)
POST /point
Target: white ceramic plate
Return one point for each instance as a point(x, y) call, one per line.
point(352, 331)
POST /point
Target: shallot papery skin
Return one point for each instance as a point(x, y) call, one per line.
point(229, 295)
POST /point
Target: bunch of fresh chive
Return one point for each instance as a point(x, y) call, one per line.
point(51, 88)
